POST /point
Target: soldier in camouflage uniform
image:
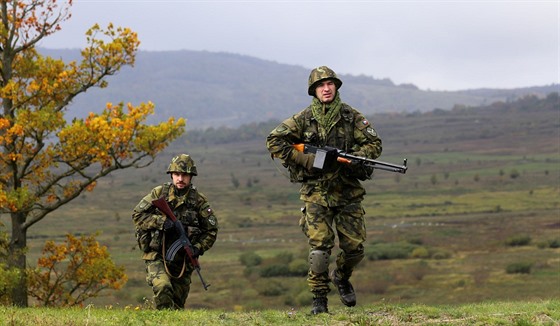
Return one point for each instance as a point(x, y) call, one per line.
point(332, 196)
point(170, 281)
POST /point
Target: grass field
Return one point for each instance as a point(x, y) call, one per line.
point(490, 313)
point(453, 214)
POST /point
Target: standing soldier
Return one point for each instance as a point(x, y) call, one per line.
point(332, 196)
point(170, 280)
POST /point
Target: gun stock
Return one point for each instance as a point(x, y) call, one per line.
point(182, 242)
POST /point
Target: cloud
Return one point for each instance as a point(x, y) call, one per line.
point(444, 45)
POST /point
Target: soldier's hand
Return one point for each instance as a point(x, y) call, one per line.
point(305, 160)
point(168, 225)
point(197, 252)
point(359, 153)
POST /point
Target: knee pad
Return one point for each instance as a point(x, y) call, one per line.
point(319, 261)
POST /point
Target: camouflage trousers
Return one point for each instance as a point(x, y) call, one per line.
point(169, 292)
point(321, 224)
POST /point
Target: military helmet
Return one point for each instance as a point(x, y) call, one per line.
point(182, 163)
point(319, 74)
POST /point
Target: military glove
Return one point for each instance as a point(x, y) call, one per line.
point(197, 252)
point(360, 154)
point(305, 160)
point(168, 225)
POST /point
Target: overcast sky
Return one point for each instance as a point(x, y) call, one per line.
point(436, 45)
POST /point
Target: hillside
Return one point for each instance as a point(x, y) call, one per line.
point(222, 89)
point(478, 179)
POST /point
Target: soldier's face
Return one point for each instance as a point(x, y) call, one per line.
point(181, 180)
point(326, 91)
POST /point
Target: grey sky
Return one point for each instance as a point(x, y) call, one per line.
point(437, 45)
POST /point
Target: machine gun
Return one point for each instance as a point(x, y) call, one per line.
point(324, 155)
point(182, 242)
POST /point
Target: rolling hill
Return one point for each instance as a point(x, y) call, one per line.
point(223, 89)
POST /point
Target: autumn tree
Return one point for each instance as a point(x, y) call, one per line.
point(74, 271)
point(45, 160)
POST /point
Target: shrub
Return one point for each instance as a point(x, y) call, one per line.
point(304, 298)
point(554, 243)
point(283, 257)
point(298, 267)
point(420, 252)
point(270, 288)
point(383, 251)
point(519, 268)
point(250, 259)
point(72, 272)
point(518, 240)
point(275, 270)
point(440, 254)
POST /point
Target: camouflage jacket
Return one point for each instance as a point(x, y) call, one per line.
point(351, 133)
point(192, 209)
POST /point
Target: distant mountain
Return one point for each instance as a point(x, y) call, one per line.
point(221, 89)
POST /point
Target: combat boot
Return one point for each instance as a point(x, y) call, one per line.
point(319, 305)
point(345, 290)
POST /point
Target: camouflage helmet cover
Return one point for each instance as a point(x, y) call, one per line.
point(319, 74)
point(182, 163)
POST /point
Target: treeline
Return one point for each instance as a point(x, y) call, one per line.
point(497, 111)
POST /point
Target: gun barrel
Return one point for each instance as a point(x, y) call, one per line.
point(377, 164)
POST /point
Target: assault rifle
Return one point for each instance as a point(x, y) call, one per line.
point(324, 155)
point(182, 242)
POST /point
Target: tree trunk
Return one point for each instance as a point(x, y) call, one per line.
point(17, 259)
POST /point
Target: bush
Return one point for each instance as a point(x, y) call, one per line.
point(518, 240)
point(250, 259)
point(554, 243)
point(440, 254)
point(283, 257)
point(420, 252)
point(275, 270)
point(298, 267)
point(519, 268)
point(304, 298)
point(383, 251)
point(70, 273)
point(270, 288)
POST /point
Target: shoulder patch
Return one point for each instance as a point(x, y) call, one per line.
point(362, 123)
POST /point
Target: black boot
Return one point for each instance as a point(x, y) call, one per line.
point(345, 290)
point(319, 305)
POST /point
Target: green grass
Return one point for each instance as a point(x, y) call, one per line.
point(458, 201)
point(546, 312)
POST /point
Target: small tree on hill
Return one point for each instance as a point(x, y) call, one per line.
point(72, 272)
point(45, 160)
